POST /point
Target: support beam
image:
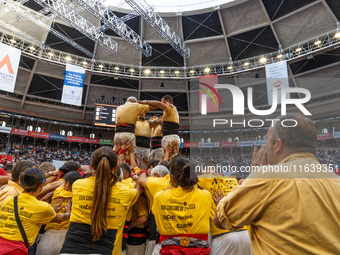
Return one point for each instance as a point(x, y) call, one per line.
point(110, 20)
point(154, 20)
point(29, 83)
point(66, 13)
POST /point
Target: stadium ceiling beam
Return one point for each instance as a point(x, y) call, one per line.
point(38, 20)
point(66, 13)
point(312, 47)
point(111, 21)
point(156, 21)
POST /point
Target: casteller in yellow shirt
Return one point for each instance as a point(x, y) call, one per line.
point(33, 214)
point(178, 211)
point(214, 183)
point(60, 192)
point(154, 185)
point(12, 189)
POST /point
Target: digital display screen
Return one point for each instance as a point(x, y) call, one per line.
point(104, 115)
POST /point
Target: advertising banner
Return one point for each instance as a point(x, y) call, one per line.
point(206, 145)
point(228, 144)
point(91, 140)
point(336, 134)
point(75, 139)
point(17, 131)
point(190, 145)
point(6, 156)
point(9, 64)
point(6, 130)
point(277, 77)
point(58, 137)
point(105, 141)
point(245, 144)
point(73, 85)
point(39, 134)
point(260, 143)
point(325, 136)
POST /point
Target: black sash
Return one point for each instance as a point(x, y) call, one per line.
point(156, 142)
point(79, 241)
point(137, 236)
point(170, 128)
point(129, 128)
point(143, 141)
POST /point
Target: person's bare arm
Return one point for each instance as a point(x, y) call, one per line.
point(143, 180)
point(4, 179)
point(51, 176)
point(167, 152)
point(139, 188)
point(131, 151)
point(139, 221)
point(46, 189)
point(154, 103)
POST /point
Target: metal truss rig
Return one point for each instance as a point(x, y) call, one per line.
point(67, 14)
point(152, 17)
point(38, 18)
point(110, 20)
point(314, 46)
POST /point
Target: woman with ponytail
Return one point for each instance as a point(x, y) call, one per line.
point(182, 213)
point(99, 207)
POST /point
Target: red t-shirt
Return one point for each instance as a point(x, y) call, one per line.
point(3, 172)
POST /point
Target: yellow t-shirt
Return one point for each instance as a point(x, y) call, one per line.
point(122, 198)
point(32, 213)
point(214, 183)
point(60, 192)
point(128, 112)
point(12, 189)
point(289, 212)
point(179, 211)
point(154, 185)
point(143, 128)
point(129, 182)
point(170, 114)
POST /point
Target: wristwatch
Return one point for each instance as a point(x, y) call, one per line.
point(50, 173)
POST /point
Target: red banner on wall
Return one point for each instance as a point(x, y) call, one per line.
point(8, 158)
point(39, 134)
point(228, 144)
point(325, 136)
point(190, 145)
point(17, 131)
point(75, 139)
point(91, 140)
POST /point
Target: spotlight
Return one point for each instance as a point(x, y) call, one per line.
point(132, 70)
point(246, 64)
point(147, 71)
point(230, 67)
point(50, 54)
point(84, 63)
point(207, 69)
point(32, 48)
point(13, 41)
point(177, 72)
point(337, 35)
point(162, 72)
point(116, 68)
point(162, 85)
point(263, 60)
point(68, 58)
point(298, 49)
point(279, 56)
point(192, 71)
point(318, 42)
point(100, 66)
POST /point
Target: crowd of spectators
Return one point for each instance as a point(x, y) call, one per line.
point(40, 154)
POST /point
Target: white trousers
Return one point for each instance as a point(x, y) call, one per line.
point(233, 243)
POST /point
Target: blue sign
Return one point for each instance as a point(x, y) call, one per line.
point(181, 145)
point(58, 137)
point(73, 85)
